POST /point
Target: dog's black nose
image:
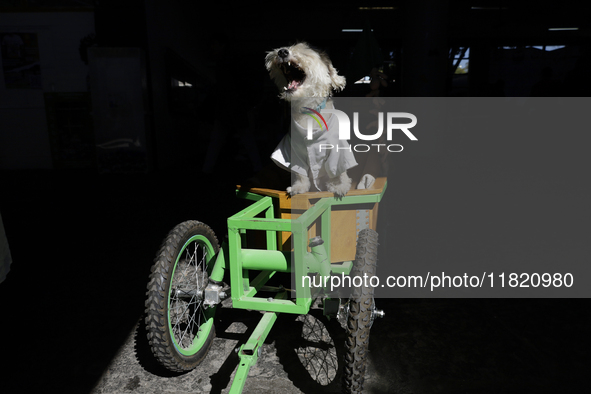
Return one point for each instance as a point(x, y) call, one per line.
point(283, 53)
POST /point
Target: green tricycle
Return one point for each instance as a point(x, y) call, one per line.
point(313, 236)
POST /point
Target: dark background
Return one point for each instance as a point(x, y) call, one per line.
point(83, 233)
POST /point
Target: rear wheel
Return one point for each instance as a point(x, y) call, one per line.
point(180, 326)
point(360, 313)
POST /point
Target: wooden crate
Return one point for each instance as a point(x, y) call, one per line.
point(346, 220)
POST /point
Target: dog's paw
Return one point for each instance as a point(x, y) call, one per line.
point(339, 190)
point(298, 188)
point(301, 185)
point(366, 182)
point(339, 185)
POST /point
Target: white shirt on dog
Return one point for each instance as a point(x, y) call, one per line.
point(313, 157)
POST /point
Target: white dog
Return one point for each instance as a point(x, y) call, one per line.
point(306, 78)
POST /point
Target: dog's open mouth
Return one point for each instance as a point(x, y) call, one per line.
point(294, 75)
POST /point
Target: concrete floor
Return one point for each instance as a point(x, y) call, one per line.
point(82, 246)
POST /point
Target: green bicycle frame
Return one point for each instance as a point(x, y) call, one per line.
point(241, 261)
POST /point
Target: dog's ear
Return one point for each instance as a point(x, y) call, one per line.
point(337, 82)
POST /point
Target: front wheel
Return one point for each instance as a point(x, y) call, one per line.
point(360, 313)
point(179, 325)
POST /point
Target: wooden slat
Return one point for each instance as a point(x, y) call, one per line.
point(283, 196)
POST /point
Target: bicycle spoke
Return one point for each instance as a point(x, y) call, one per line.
point(190, 278)
point(186, 329)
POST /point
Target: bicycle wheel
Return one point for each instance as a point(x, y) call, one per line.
point(180, 327)
point(360, 313)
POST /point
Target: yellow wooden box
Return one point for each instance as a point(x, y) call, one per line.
point(346, 220)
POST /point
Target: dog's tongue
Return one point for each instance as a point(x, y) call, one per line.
point(293, 85)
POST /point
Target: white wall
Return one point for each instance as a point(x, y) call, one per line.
point(24, 141)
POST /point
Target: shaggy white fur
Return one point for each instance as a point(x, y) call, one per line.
point(306, 78)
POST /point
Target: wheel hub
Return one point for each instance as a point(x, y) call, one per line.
point(375, 313)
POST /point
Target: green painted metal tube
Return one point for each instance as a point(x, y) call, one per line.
point(260, 224)
point(266, 260)
point(300, 307)
point(303, 222)
point(217, 272)
point(319, 261)
point(254, 209)
point(249, 352)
